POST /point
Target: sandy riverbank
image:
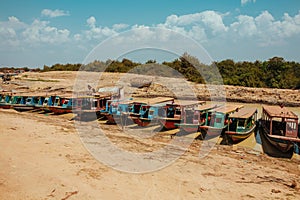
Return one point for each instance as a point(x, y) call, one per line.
point(42, 157)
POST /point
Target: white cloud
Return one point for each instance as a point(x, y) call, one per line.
point(198, 25)
point(118, 27)
point(209, 28)
point(97, 32)
point(244, 26)
point(40, 32)
point(91, 22)
point(54, 13)
point(243, 2)
point(209, 19)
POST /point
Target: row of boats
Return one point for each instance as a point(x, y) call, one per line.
point(233, 122)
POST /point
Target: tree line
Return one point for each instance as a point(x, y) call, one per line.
point(273, 73)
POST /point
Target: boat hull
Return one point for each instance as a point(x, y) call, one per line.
point(23, 108)
point(5, 106)
point(211, 132)
point(59, 110)
point(189, 128)
point(169, 123)
point(237, 137)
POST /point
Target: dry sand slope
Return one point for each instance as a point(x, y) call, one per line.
point(43, 157)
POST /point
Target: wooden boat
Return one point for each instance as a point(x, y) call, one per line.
point(280, 127)
point(135, 111)
point(29, 104)
point(216, 121)
point(241, 124)
point(148, 111)
point(18, 102)
point(117, 111)
point(89, 107)
point(5, 102)
point(64, 106)
point(39, 105)
point(193, 118)
point(103, 107)
point(170, 116)
point(50, 101)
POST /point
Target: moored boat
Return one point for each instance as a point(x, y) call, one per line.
point(241, 125)
point(148, 111)
point(49, 101)
point(171, 114)
point(90, 107)
point(193, 118)
point(216, 121)
point(18, 102)
point(28, 104)
point(280, 127)
point(64, 106)
point(5, 102)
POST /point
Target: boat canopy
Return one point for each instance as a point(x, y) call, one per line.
point(152, 101)
point(243, 113)
point(226, 109)
point(186, 104)
point(206, 107)
point(280, 112)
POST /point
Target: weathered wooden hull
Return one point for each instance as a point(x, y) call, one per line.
point(169, 123)
point(189, 128)
point(274, 148)
point(282, 145)
point(5, 106)
point(111, 119)
point(211, 132)
point(85, 115)
point(59, 110)
point(23, 108)
point(145, 122)
point(237, 137)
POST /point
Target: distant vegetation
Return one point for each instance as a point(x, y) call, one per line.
point(274, 73)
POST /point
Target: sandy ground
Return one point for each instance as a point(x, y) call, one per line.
point(42, 157)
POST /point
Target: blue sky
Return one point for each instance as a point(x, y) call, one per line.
point(38, 32)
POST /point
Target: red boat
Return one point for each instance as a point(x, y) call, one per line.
point(171, 115)
point(193, 118)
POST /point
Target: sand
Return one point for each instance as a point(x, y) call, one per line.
point(43, 157)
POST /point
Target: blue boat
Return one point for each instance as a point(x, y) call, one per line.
point(5, 102)
point(26, 103)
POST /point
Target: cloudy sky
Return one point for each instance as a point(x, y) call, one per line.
point(34, 33)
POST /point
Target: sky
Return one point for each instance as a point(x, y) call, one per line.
point(34, 33)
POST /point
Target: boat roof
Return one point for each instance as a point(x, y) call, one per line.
point(278, 111)
point(153, 101)
point(227, 108)
point(206, 107)
point(243, 113)
point(186, 103)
